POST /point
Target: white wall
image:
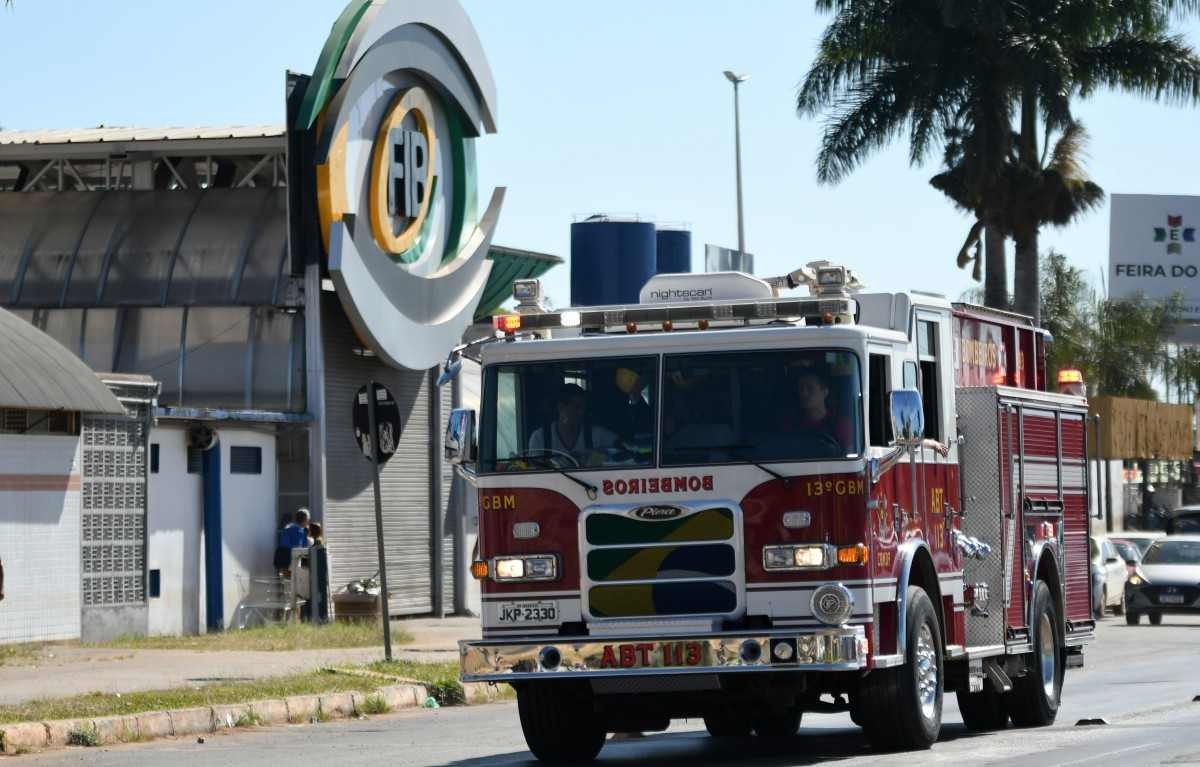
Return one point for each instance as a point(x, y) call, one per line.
point(249, 517)
point(39, 537)
point(174, 528)
point(176, 544)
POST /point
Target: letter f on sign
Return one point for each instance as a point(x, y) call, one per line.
point(407, 162)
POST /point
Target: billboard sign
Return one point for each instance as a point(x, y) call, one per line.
point(1153, 248)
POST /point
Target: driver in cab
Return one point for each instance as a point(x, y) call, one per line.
point(568, 433)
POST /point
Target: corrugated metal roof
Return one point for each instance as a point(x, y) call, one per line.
point(116, 135)
point(39, 373)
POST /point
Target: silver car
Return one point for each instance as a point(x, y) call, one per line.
point(1166, 581)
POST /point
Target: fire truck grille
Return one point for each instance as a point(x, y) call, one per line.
point(638, 568)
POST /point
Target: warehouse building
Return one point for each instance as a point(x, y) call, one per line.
point(234, 268)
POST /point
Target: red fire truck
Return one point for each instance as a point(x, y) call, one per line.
point(734, 503)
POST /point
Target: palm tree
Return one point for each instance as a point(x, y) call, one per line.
point(1005, 200)
point(967, 67)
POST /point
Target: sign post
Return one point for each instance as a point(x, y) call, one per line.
point(377, 430)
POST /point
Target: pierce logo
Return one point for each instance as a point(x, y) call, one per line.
point(657, 513)
point(1174, 234)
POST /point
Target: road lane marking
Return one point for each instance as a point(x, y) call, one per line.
point(1107, 754)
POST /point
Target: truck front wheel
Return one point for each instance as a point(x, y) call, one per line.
point(1034, 699)
point(901, 707)
point(728, 723)
point(559, 721)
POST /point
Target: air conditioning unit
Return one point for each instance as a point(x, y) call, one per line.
point(201, 436)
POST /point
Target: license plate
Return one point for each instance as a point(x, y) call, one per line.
point(1170, 599)
point(527, 612)
point(655, 655)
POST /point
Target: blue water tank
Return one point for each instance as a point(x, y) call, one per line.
point(611, 259)
point(674, 251)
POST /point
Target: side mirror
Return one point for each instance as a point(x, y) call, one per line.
point(460, 437)
point(908, 416)
point(450, 372)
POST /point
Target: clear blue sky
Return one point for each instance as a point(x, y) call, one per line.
point(615, 107)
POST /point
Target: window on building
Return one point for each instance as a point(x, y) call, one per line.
point(153, 457)
point(194, 461)
point(14, 421)
point(245, 460)
point(881, 421)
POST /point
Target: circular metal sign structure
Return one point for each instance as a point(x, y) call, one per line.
point(400, 93)
point(387, 423)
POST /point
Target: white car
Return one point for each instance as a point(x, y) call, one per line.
point(1140, 538)
point(1108, 578)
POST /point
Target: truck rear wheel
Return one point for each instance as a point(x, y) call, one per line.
point(1034, 699)
point(984, 710)
point(559, 722)
point(901, 707)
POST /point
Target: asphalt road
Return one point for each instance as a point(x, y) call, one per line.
point(1140, 679)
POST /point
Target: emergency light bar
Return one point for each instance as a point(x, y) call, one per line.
point(814, 311)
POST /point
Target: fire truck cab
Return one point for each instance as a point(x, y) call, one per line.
point(733, 503)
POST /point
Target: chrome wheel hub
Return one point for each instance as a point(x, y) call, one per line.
point(927, 672)
point(1046, 650)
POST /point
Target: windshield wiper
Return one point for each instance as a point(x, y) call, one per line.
point(736, 452)
point(549, 464)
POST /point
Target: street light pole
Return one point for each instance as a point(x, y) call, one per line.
point(737, 80)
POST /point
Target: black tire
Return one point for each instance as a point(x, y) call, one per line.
point(778, 724)
point(1155, 618)
point(1132, 618)
point(1034, 699)
point(1119, 609)
point(559, 722)
point(983, 711)
point(727, 724)
point(895, 711)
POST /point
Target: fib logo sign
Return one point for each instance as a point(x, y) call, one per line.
point(400, 95)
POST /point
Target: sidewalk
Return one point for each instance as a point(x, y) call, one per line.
point(78, 670)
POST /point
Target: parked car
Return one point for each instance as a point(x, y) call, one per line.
point(1108, 578)
point(1129, 552)
point(1140, 538)
point(1167, 580)
point(1184, 520)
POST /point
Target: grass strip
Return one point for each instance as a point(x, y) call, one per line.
point(440, 678)
point(98, 704)
point(286, 636)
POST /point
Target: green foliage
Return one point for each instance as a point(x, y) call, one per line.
point(1119, 345)
point(375, 704)
point(248, 719)
point(83, 736)
point(959, 73)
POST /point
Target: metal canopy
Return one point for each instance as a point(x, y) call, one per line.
point(508, 265)
point(39, 373)
point(210, 247)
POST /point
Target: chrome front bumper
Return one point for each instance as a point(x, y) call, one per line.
point(837, 649)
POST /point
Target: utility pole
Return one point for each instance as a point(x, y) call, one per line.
point(737, 80)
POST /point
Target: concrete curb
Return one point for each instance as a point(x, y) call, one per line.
point(26, 737)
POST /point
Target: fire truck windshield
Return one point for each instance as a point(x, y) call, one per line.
point(569, 414)
point(780, 405)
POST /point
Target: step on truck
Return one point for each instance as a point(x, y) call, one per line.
point(733, 503)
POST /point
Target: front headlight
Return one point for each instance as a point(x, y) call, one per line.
point(537, 567)
point(807, 557)
point(1137, 579)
